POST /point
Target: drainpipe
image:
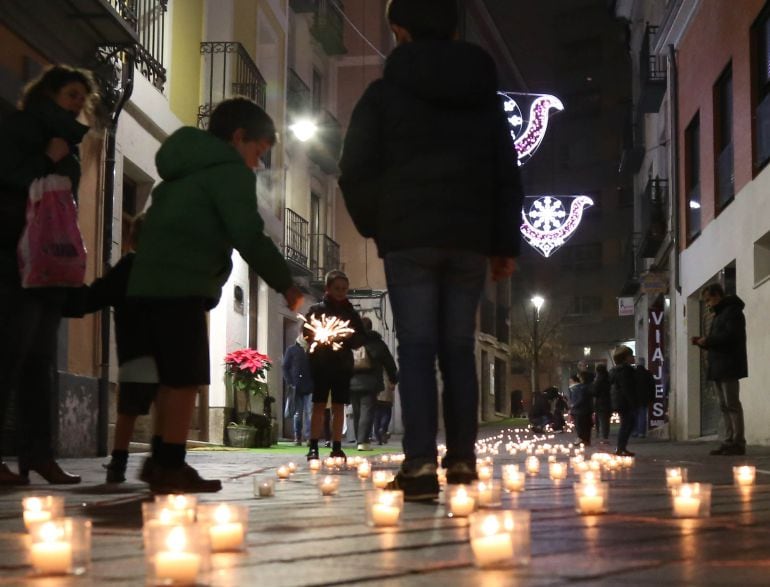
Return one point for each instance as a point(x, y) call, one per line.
point(674, 159)
point(103, 416)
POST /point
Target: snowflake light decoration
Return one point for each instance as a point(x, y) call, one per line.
point(528, 131)
point(546, 223)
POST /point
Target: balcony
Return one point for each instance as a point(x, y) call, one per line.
point(298, 95)
point(324, 256)
point(632, 156)
point(297, 243)
point(654, 208)
point(631, 263)
point(328, 26)
point(652, 72)
point(228, 71)
point(301, 6)
point(487, 317)
point(326, 148)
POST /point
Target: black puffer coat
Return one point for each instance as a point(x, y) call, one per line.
point(380, 357)
point(623, 388)
point(428, 159)
point(726, 341)
point(323, 357)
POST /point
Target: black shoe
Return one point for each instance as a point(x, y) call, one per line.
point(312, 454)
point(183, 479)
point(147, 470)
point(338, 453)
point(734, 449)
point(328, 444)
point(8, 477)
point(422, 485)
point(624, 453)
point(461, 474)
point(49, 470)
point(717, 451)
point(116, 471)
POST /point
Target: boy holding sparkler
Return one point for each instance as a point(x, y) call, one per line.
point(333, 330)
point(429, 171)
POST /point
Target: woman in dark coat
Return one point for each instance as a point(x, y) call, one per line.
point(37, 140)
point(600, 389)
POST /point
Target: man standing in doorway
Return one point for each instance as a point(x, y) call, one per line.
point(727, 362)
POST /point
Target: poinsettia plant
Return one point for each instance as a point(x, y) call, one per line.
point(248, 369)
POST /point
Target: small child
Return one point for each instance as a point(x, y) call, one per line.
point(138, 374)
point(624, 396)
point(581, 406)
point(332, 369)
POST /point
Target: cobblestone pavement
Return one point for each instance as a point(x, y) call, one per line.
point(299, 538)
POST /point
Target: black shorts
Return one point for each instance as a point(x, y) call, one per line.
point(334, 381)
point(135, 399)
point(179, 340)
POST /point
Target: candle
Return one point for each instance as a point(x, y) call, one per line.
point(686, 504)
point(226, 534)
point(328, 485)
point(53, 555)
point(283, 472)
point(292, 467)
point(364, 468)
point(590, 500)
point(557, 471)
point(329, 463)
point(385, 507)
point(380, 479)
point(533, 465)
point(513, 481)
point(485, 493)
point(484, 473)
point(265, 488)
point(441, 473)
point(32, 516)
point(175, 564)
point(675, 476)
point(744, 476)
point(41, 509)
point(493, 546)
point(461, 504)
point(314, 466)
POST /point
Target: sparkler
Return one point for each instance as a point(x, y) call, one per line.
point(327, 331)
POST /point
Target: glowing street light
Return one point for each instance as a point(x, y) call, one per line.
point(586, 351)
point(538, 302)
point(304, 129)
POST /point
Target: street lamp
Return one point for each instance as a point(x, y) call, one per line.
point(586, 351)
point(537, 303)
point(304, 129)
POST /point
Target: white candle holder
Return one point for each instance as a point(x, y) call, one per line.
point(383, 507)
point(60, 546)
point(292, 466)
point(591, 498)
point(588, 477)
point(513, 479)
point(283, 472)
point(178, 501)
point(227, 525)
point(329, 485)
point(264, 486)
point(329, 465)
point(532, 465)
point(162, 513)
point(460, 501)
point(691, 500)
point(488, 494)
point(41, 508)
point(557, 471)
point(675, 476)
point(441, 474)
point(363, 470)
point(484, 472)
point(745, 475)
point(177, 555)
point(380, 479)
point(314, 465)
point(500, 539)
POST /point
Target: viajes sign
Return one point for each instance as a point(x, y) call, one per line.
point(656, 363)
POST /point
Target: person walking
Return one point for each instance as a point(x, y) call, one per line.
point(600, 389)
point(41, 138)
point(297, 375)
point(624, 395)
point(370, 361)
point(581, 406)
point(430, 172)
point(383, 412)
point(645, 388)
point(727, 363)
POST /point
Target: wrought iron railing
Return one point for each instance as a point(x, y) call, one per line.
point(652, 71)
point(328, 26)
point(230, 71)
point(148, 19)
point(324, 255)
point(297, 242)
point(653, 206)
point(298, 96)
point(487, 316)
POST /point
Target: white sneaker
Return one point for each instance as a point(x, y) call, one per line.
point(365, 446)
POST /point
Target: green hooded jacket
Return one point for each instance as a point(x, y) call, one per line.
point(205, 207)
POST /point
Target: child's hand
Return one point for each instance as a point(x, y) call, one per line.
point(294, 298)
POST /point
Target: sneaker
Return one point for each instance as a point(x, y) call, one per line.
point(338, 453)
point(297, 443)
point(717, 451)
point(184, 479)
point(461, 474)
point(420, 485)
point(147, 471)
point(328, 444)
point(116, 471)
point(312, 454)
point(624, 453)
point(365, 446)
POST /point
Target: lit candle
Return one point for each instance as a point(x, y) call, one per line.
point(384, 511)
point(533, 465)
point(513, 480)
point(53, 555)
point(485, 494)
point(225, 533)
point(675, 476)
point(40, 509)
point(314, 466)
point(590, 500)
point(364, 468)
point(484, 473)
point(329, 463)
point(339, 462)
point(328, 485)
point(493, 546)
point(557, 471)
point(744, 476)
point(283, 472)
point(686, 504)
point(380, 479)
point(441, 476)
point(461, 504)
point(175, 564)
point(265, 488)
point(292, 467)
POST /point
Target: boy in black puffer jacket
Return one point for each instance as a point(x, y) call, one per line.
point(332, 369)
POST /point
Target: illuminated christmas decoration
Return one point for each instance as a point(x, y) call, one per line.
point(528, 131)
point(547, 224)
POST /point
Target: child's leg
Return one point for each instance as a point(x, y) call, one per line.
point(124, 430)
point(317, 421)
point(338, 420)
point(175, 406)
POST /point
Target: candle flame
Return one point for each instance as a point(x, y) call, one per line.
point(51, 532)
point(386, 498)
point(165, 516)
point(490, 526)
point(461, 492)
point(328, 331)
point(222, 514)
point(176, 540)
point(686, 491)
point(34, 504)
point(590, 490)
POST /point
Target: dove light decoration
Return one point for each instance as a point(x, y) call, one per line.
point(547, 224)
point(528, 131)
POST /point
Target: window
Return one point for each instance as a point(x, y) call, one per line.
point(317, 91)
point(584, 257)
point(582, 305)
point(760, 35)
point(692, 176)
point(723, 139)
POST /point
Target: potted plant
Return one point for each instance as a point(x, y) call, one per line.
point(247, 370)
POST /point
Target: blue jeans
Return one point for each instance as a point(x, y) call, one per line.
point(627, 417)
point(434, 294)
point(303, 409)
point(640, 425)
